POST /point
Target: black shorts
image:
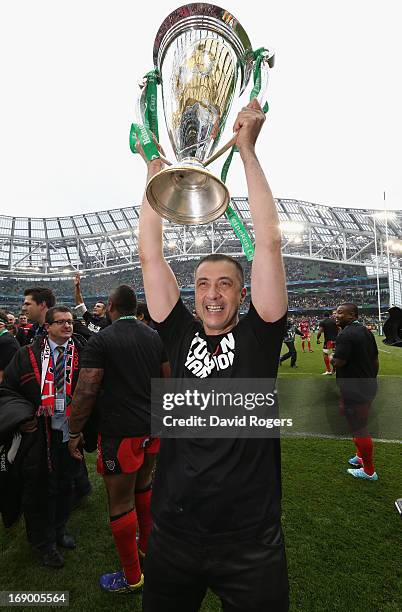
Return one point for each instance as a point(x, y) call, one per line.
point(356, 414)
point(124, 455)
point(248, 575)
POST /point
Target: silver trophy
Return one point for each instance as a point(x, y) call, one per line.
point(204, 59)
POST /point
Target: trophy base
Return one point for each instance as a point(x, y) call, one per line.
point(188, 194)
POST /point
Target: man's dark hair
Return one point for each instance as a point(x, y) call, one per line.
point(49, 318)
point(124, 300)
point(142, 309)
point(41, 294)
point(352, 308)
point(220, 257)
point(101, 302)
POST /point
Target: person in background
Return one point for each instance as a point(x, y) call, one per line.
point(11, 318)
point(356, 363)
point(126, 450)
point(143, 313)
point(45, 373)
point(95, 321)
point(329, 328)
point(37, 301)
point(23, 329)
point(304, 327)
point(289, 339)
point(8, 344)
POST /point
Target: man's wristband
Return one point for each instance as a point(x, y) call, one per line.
point(74, 435)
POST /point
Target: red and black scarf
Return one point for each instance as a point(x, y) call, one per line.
point(46, 378)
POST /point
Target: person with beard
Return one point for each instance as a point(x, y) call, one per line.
point(45, 373)
point(95, 321)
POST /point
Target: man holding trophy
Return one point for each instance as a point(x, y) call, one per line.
point(216, 502)
point(244, 561)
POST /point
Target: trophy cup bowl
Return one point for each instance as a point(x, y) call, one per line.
point(204, 57)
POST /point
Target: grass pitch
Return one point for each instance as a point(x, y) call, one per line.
point(343, 536)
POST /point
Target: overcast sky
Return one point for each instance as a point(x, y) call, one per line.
point(69, 73)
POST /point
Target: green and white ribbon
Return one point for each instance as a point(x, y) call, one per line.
point(259, 56)
point(149, 113)
point(231, 215)
point(151, 103)
point(144, 136)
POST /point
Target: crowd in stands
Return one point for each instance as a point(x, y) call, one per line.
point(328, 300)
point(97, 285)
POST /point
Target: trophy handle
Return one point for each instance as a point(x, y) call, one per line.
point(221, 151)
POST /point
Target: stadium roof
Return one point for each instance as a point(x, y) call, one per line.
point(103, 240)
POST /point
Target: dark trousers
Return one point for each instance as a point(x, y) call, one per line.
point(81, 484)
point(46, 511)
point(248, 575)
point(292, 353)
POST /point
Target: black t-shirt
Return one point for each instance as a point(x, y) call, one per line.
point(130, 354)
point(94, 323)
point(330, 329)
point(8, 347)
point(357, 378)
point(211, 487)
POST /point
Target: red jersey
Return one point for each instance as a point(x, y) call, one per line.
point(25, 328)
point(305, 328)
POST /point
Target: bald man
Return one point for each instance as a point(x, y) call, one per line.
point(356, 363)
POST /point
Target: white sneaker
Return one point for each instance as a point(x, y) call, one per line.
point(326, 373)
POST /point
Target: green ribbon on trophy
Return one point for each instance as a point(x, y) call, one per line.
point(149, 111)
point(233, 218)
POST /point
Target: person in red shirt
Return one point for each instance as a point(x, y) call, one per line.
point(23, 329)
point(305, 330)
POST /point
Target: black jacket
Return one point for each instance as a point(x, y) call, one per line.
point(17, 452)
point(23, 480)
point(19, 375)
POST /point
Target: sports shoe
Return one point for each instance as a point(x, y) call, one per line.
point(360, 473)
point(117, 583)
point(310, 351)
point(326, 373)
point(356, 461)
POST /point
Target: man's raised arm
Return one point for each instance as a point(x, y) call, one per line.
point(161, 289)
point(268, 283)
